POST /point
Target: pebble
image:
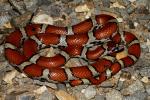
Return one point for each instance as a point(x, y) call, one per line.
point(114, 95)
point(42, 19)
point(47, 96)
point(148, 88)
point(132, 0)
point(3, 1)
point(62, 95)
point(55, 10)
point(67, 1)
point(61, 86)
point(144, 17)
point(76, 91)
point(22, 20)
point(130, 9)
point(31, 4)
point(141, 10)
point(148, 45)
point(82, 8)
point(145, 71)
point(25, 97)
point(3, 65)
point(10, 97)
point(135, 24)
point(89, 92)
point(137, 96)
point(124, 13)
point(5, 7)
point(106, 84)
point(18, 6)
point(131, 24)
point(9, 76)
point(117, 5)
point(48, 84)
point(120, 20)
point(106, 3)
point(45, 2)
point(99, 97)
point(125, 2)
point(133, 88)
point(148, 26)
point(4, 20)
point(142, 2)
point(40, 90)
point(145, 79)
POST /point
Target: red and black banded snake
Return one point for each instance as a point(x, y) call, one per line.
point(97, 44)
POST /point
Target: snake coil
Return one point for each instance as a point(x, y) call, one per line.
point(97, 44)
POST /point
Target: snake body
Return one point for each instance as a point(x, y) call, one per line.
point(97, 44)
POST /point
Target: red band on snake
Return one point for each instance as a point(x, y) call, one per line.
point(97, 45)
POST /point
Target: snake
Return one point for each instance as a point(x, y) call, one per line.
point(95, 42)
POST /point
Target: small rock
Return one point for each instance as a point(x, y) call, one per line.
point(55, 10)
point(148, 45)
point(80, 96)
point(10, 97)
point(9, 76)
point(136, 24)
point(48, 84)
point(42, 19)
point(99, 97)
point(131, 24)
point(82, 8)
point(130, 9)
point(45, 2)
point(76, 91)
point(19, 6)
point(145, 71)
point(61, 86)
point(124, 13)
point(120, 20)
point(132, 0)
point(141, 10)
point(114, 95)
point(137, 96)
point(62, 95)
point(5, 7)
point(126, 2)
point(89, 92)
point(3, 1)
point(31, 4)
point(4, 19)
point(3, 65)
point(47, 96)
point(106, 84)
point(133, 88)
point(116, 5)
point(142, 2)
point(144, 17)
point(40, 90)
point(25, 97)
point(106, 3)
point(148, 26)
point(22, 20)
point(66, 1)
point(145, 79)
point(147, 88)
point(120, 85)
